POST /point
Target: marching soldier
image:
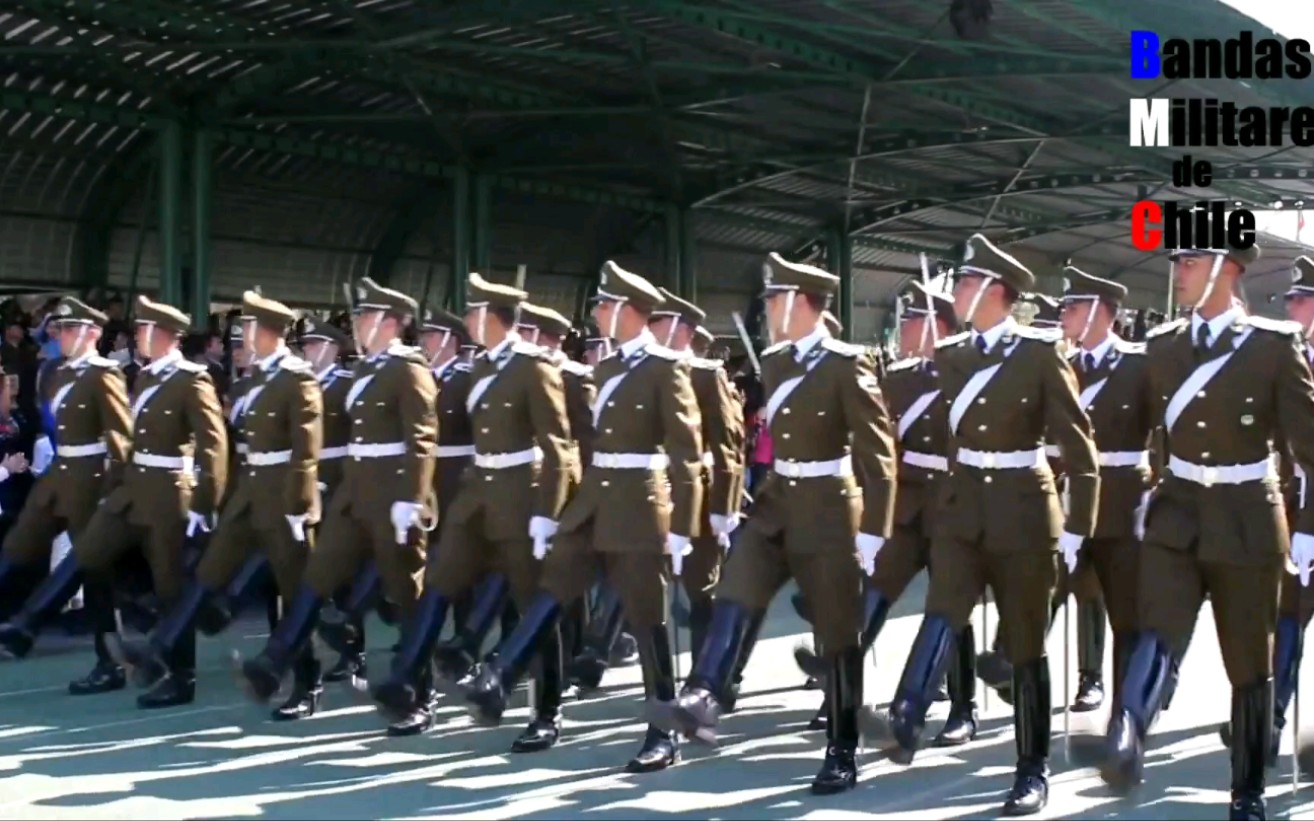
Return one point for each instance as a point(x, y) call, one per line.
point(637, 505)
point(384, 500)
point(828, 422)
point(506, 508)
point(170, 493)
point(1007, 387)
point(92, 430)
point(280, 414)
point(1216, 524)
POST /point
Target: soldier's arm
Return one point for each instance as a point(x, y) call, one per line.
point(682, 438)
point(1294, 392)
point(306, 420)
point(579, 410)
point(723, 425)
point(418, 407)
point(547, 415)
point(206, 419)
point(868, 420)
point(116, 421)
point(1069, 426)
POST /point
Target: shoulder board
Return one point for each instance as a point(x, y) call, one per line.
point(663, 352)
point(903, 364)
point(776, 348)
point(841, 348)
point(706, 364)
point(190, 367)
point(952, 341)
point(101, 362)
point(408, 354)
point(295, 364)
point(1050, 336)
point(1166, 328)
point(576, 368)
point(1125, 347)
point(1073, 354)
point(528, 349)
point(463, 367)
point(1277, 326)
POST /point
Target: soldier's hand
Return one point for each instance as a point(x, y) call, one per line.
point(723, 526)
point(1142, 509)
point(1070, 545)
point(541, 530)
point(868, 547)
point(677, 547)
point(298, 525)
point(1302, 555)
point(197, 523)
point(404, 516)
point(15, 463)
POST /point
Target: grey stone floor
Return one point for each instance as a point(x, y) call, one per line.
point(99, 758)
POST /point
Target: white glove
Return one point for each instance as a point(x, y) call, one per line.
point(677, 547)
point(868, 546)
point(196, 523)
point(404, 516)
point(541, 530)
point(1302, 555)
point(723, 526)
point(298, 525)
point(43, 453)
point(1141, 510)
point(323, 488)
point(1070, 545)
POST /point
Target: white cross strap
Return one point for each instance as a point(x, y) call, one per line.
point(915, 411)
point(969, 394)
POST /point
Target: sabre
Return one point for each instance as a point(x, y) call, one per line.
point(1295, 734)
point(1067, 676)
point(748, 343)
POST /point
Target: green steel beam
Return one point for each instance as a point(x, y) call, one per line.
point(202, 202)
point(118, 182)
point(688, 256)
point(461, 234)
point(481, 238)
point(673, 248)
point(415, 207)
point(839, 260)
point(171, 211)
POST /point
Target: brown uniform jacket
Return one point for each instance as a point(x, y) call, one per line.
point(925, 435)
point(1263, 392)
point(392, 402)
point(580, 393)
point(92, 405)
point(649, 410)
point(1032, 393)
point(723, 436)
point(176, 415)
point(336, 424)
point(234, 404)
point(517, 402)
point(455, 436)
point(834, 411)
point(283, 414)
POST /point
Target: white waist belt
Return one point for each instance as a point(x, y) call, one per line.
point(1053, 452)
point(631, 461)
point(814, 470)
point(1001, 460)
point(1124, 459)
point(340, 452)
point(454, 451)
point(154, 460)
point(379, 450)
point(263, 459)
point(501, 461)
point(81, 451)
point(925, 460)
point(1221, 474)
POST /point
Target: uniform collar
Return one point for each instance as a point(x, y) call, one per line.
point(81, 361)
point(159, 365)
point(1100, 351)
point(638, 343)
point(993, 335)
point(812, 340)
point(392, 348)
point(1216, 325)
point(267, 364)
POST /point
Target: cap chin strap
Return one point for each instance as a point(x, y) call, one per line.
point(533, 338)
point(79, 341)
point(615, 321)
point(1213, 280)
point(438, 351)
point(150, 338)
point(1090, 320)
point(670, 332)
point(318, 362)
point(986, 282)
point(789, 310)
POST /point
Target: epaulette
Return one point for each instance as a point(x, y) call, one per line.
point(409, 354)
point(1277, 326)
point(1166, 328)
point(525, 348)
point(706, 364)
point(101, 362)
point(904, 364)
point(576, 368)
point(663, 352)
point(841, 348)
point(776, 348)
point(190, 367)
point(1124, 347)
point(1050, 336)
point(951, 341)
point(295, 364)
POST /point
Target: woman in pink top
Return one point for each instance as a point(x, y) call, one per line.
point(762, 451)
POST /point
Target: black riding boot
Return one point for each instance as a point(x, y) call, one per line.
point(661, 748)
point(307, 688)
point(489, 688)
point(262, 675)
point(419, 717)
point(960, 727)
point(45, 602)
point(148, 662)
point(1031, 719)
point(1142, 698)
point(1288, 647)
point(343, 630)
point(697, 709)
point(750, 641)
point(605, 621)
point(108, 675)
point(458, 654)
point(1091, 631)
point(839, 771)
point(993, 668)
point(218, 608)
point(700, 619)
point(545, 727)
point(876, 609)
point(402, 692)
point(177, 686)
point(916, 691)
point(1252, 725)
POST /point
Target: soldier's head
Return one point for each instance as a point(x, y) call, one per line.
point(1206, 280)
point(441, 335)
point(160, 328)
point(796, 296)
point(676, 321)
point(543, 326)
point(927, 316)
point(988, 284)
point(1090, 306)
point(322, 343)
point(265, 323)
point(1299, 298)
point(379, 316)
point(492, 310)
point(624, 302)
point(702, 341)
point(77, 326)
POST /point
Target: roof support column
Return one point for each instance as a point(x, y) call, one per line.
point(688, 256)
point(673, 248)
point(461, 235)
point(202, 199)
point(481, 237)
point(839, 258)
point(171, 207)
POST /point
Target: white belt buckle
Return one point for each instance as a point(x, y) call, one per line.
point(608, 460)
point(1208, 476)
point(988, 460)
